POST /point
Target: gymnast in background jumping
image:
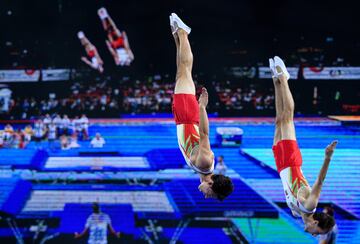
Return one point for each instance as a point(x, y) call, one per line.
point(117, 42)
point(93, 58)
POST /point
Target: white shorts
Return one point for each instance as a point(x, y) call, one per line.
point(94, 63)
point(123, 56)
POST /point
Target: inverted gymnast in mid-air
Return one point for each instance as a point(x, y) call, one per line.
point(93, 58)
point(300, 197)
point(117, 42)
point(191, 119)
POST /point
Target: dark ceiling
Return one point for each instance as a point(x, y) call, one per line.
point(218, 26)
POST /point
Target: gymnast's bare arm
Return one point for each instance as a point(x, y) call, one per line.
point(312, 201)
point(205, 156)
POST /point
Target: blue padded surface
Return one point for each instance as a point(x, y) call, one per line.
point(165, 158)
point(200, 236)
point(17, 158)
point(13, 195)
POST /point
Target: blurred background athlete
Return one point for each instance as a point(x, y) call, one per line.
point(93, 58)
point(117, 42)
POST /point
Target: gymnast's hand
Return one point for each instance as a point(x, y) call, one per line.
point(203, 99)
point(330, 149)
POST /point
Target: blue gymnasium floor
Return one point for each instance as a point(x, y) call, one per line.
point(125, 138)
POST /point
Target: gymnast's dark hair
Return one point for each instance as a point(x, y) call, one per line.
point(329, 210)
point(326, 222)
point(222, 186)
point(96, 207)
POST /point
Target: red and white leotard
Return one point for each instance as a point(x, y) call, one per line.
point(91, 53)
point(118, 43)
point(186, 113)
point(288, 162)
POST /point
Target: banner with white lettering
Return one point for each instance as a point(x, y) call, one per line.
point(55, 74)
point(242, 72)
point(332, 73)
point(28, 75)
point(265, 73)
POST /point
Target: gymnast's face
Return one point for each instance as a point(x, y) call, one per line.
point(314, 229)
point(205, 188)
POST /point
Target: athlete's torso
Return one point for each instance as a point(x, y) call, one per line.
point(118, 42)
point(188, 139)
point(293, 180)
point(52, 132)
point(38, 130)
point(98, 224)
point(91, 52)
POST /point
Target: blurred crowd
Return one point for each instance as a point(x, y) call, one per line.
point(15, 138)
point(108, 99)
point(95, 99)
point(247, 99)
point(153, 96)
point(58, 131)
point(63, 129)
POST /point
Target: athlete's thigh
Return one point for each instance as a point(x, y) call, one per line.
point(277, 134)
point(288, 130)
point(185, 85)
